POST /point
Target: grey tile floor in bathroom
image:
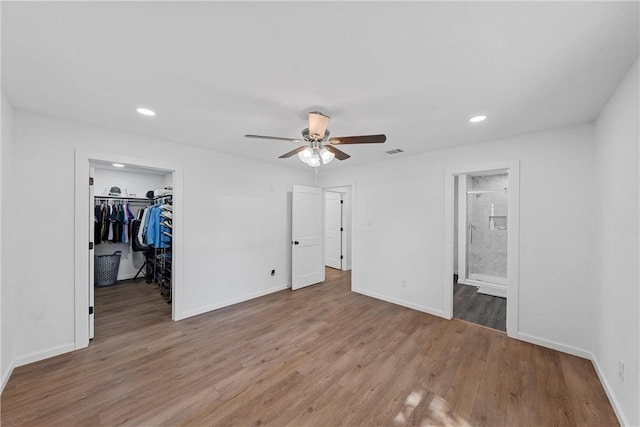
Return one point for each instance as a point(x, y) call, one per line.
point(478, 308)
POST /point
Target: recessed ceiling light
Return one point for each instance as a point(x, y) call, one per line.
point(146, 112)
point(117, 165)
point(477, 119)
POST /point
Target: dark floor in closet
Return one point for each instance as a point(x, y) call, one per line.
point(478, 308)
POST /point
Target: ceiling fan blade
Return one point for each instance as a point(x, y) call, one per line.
point(292, 152)
point(363, 139)
point(340, 155)
point(277, 138)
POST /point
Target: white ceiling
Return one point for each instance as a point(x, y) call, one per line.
point(416, 71)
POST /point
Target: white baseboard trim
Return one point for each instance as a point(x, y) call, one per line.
point(6, 376)
point(617, 408)
point(232, 301)
point(403, 303)
point(553, 345)
point(44, 354)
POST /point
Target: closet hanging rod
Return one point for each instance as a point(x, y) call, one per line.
point(163, 199)
point(126, 199)
point(486, 191)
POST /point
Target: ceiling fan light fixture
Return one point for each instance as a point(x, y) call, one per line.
point(319, 149)
point(326, 156)
point(317, 125)
point(305, 154)
point(310, 157)
point(314, 161)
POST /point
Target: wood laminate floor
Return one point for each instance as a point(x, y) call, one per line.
point(478, 308)
point(321, 356)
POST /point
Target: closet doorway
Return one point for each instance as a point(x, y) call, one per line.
point(130, 267)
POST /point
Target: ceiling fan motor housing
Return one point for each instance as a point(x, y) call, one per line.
point(311, 138)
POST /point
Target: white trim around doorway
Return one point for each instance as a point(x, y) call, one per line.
point(82, 224)
point(513, 238)
point(348, 236)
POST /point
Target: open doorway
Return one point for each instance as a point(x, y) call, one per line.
point(480, 263)
point(337, 227)
point(131, 281)
point(310, 233)
point(457, 233)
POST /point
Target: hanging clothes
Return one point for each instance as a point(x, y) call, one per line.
point(105, 223)
point(97, 229)
point(116, 224)
point(154, 229)
point(138, 235)
point(112, 220)
point(127, 216)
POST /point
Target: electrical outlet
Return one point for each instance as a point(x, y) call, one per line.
point(621, 370)
point(403, 283)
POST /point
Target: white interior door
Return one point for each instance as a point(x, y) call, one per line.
point(91, 251)
point(307, 252)
point(333, 230)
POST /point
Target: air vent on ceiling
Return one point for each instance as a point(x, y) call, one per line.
point(396, 151)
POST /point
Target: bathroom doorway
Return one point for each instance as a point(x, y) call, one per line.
point(457, 255)
point(480, 280)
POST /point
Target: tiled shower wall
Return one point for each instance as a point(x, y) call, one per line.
point(488, 252)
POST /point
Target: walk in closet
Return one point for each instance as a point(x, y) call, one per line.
point(133, 231)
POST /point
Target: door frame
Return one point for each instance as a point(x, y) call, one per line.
point(513, 238)
point(83, 219)
point(347, 223)
point(342, 231)
point(92, 254)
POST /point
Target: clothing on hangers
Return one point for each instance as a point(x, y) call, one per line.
point(154, 229)
point(127, 217)
point(97, 228)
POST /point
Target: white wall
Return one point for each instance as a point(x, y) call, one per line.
point(131, 183)
point(6, 233)
point(235, 226)
point(398, 219)
point(616, 322)
point(135, 183)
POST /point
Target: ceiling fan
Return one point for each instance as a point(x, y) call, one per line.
point(319, 148)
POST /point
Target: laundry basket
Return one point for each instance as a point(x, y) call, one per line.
point(106, 269)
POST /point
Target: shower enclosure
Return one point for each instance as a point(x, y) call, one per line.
point(482, 226)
